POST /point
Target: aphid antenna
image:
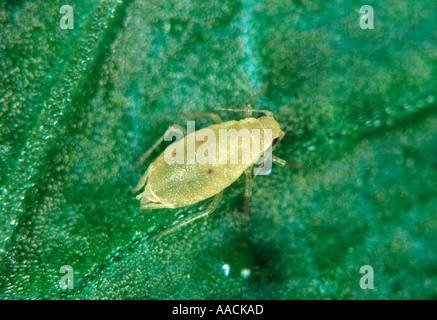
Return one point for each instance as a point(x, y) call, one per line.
point(266, 112)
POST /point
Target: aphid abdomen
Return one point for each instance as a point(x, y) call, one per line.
point(185, 184)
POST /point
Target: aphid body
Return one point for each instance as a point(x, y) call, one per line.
point(178, 185)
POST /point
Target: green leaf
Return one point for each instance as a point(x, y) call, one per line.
point(79, 107)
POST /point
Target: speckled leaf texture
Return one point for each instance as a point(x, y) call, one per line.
point(78, 108)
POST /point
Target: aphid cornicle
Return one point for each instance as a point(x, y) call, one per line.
point(182, 184)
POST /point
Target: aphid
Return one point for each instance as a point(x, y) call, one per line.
point(181, 184)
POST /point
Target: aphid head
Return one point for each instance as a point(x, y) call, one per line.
point(272, 124)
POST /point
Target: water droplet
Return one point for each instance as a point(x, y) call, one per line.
point(408, 107)
point(390, 122)
point(245, 273)
point(167, 27)
point(420, 104)
point(430, 99)
point(226, 269)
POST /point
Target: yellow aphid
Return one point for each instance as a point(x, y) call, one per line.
point(189, 180)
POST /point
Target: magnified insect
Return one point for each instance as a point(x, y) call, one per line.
point(179, 185)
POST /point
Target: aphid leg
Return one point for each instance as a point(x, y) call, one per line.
point(247, 191)
point(153, 205)
point(156, 145)
point(210, 115)
point(279, 162)
point(212, 206)
point(142, 181)
point(249, 179)
point(297, 165)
